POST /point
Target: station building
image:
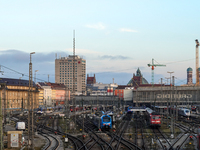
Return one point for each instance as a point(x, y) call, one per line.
point(178, 95)
point(14, 94)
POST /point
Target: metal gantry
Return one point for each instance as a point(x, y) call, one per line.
point(30, 106)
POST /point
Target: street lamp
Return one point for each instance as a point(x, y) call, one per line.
point(30, 107)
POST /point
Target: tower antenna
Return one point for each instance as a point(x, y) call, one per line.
point(73, 90)
point(197, 62)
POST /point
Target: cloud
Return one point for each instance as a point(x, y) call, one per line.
point(14, 62)
point(127, 30)
point(119, 57)
point(17, 56)
point(98, 26)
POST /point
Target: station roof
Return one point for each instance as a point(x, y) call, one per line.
point(15, 82)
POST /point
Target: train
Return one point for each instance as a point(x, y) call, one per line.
point(129, 109)
point(112, 115)
point(102, 121)
point(153, 118)
point(195, 108)
point(40, 111)
point(184, 112)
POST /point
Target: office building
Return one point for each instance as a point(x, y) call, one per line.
point(64, 73)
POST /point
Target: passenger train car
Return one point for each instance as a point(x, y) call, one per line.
point(129, 110)
point(153, 118)
point(181, 111)
point(184, 112)
point(102, 121)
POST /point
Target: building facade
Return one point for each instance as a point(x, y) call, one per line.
point(101, 89)
point(60, 93)
point(14, 94)
point(137, 79)
point(41, 96)
point(91, 80)
point(53, 93)
point(64, 70)
point(180, 95)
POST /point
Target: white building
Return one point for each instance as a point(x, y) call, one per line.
point(47, 100)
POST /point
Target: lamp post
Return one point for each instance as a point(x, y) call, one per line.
point(171, 114)
point(30, 134)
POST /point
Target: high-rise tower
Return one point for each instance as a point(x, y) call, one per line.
point(64, 72)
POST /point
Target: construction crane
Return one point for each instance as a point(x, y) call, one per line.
point(152, 68)
point(197, 62)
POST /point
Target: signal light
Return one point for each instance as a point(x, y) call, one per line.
point(84, 136)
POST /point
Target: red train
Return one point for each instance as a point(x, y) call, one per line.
point(153, 118)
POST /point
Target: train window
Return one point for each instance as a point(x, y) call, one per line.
point(155, 117)
point(187, 111)
point(106, 119)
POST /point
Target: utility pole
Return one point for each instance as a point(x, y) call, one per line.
point(30, 106)
point(83, 114)
point(171, 106)
point(161, 92)
point(67, 108)
point(167, 79)
point(1, 126)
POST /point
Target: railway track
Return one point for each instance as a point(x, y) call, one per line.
point(139, 136)
point(161, 138)
point(94, 137)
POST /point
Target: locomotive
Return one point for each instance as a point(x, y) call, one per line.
point(184, 112)
point(102, 121)
point(153, 118)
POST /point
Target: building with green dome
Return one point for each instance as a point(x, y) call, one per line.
point(137, 79)
point(189, 76)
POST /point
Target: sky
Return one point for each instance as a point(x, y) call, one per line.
point(115, 37)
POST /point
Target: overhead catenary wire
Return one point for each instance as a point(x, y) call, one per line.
point(39, 79)
point(22, 74)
